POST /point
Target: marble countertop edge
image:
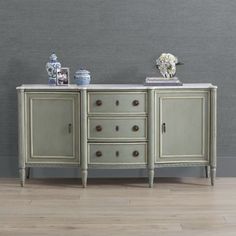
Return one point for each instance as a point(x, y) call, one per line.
point(112, 86)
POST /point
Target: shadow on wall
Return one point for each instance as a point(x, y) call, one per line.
point(17, 72)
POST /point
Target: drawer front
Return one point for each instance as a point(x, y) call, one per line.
point(117, 102)
point(117, 128)
point(117, 153)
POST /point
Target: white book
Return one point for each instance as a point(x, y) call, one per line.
point(160, 80)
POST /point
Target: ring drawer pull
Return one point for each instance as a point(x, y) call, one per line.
point(135, 128)
point(99, 128)
point(135, 103)
point(117, 103)
point(135, 153)
point(99, 102)
point(98, 153)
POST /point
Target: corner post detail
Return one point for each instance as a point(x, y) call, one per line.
point(21, 135)
point(213, 148)
point(84, 155)
point(151, 137)
point(207, 171)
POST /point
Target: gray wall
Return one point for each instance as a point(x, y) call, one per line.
point(118, 41)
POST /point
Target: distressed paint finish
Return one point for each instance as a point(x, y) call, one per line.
point(130, 149)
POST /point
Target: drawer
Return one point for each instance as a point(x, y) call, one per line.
point(117, 128)
point(117, 153)
point(117, 102)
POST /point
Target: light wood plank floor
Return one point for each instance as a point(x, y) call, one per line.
point(186, 207)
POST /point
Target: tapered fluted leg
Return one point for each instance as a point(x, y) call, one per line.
point(213, 176)
point(84, 177)
point(28, 173)
point(151, 177)
point(21, 136)
point(213, 138)
point(22, 176)
point(151, 136)
point(207, 171)
point(84, 138)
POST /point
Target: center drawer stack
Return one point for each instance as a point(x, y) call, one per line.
point(117, 128)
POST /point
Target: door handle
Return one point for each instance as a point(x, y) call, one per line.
point(69, 128)
point(163, 127)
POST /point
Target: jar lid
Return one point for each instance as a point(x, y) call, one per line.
point(53, 57)
point(82, 71)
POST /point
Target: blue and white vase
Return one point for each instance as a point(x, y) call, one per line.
point(82, 77)
point(51, 68)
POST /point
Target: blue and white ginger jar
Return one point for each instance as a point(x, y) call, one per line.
point(82, 77)
point(51, 68)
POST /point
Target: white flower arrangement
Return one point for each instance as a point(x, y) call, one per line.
point(166, 63)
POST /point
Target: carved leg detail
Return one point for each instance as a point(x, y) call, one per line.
point(213, 175)
point(207, 171)
point(22, 176)
point(84, 175)
point(151, 177)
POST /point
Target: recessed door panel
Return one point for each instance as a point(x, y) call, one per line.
point(52, 127)
point(182, 126)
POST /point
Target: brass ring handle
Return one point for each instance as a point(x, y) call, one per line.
point(98, 153)
point(135, 103)
point(135, 128)
point(99, 128)
point(99, 102)
point(135, 153)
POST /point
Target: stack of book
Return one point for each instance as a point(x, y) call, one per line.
point(159, 81)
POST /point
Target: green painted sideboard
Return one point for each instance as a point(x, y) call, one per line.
point(117, 126)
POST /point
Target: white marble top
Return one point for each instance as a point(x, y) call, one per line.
point(112, 86)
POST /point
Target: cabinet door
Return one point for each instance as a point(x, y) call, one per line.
point(182, 126)
point(52, 128)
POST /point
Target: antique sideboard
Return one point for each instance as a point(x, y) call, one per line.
point(116, 126)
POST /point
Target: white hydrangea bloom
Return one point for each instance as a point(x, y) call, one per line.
point(166, 63)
